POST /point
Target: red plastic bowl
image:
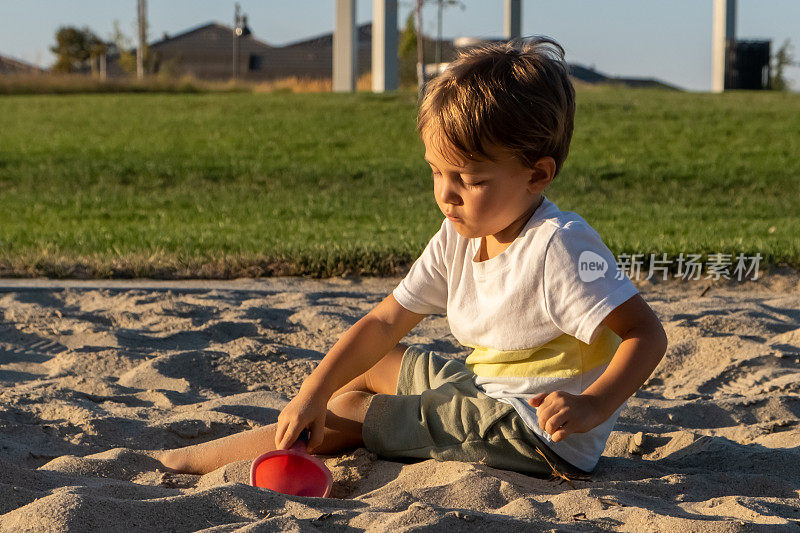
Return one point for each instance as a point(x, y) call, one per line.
point(292, 471)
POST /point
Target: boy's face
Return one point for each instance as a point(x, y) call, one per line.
point(487, 197)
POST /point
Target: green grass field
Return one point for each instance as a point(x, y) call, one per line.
point(226, 185)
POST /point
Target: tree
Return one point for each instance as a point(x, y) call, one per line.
point(75, 48)
point(407, 47)
point(124, 45)
point(407, 52)
point(780, 60)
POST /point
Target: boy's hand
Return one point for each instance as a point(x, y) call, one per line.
point(561, 413)
point(305, 410)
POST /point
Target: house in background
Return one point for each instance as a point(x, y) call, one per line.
point(577, 72)
point(15, 66)
point(591, 76)
point(206, 53)
point(313, 58)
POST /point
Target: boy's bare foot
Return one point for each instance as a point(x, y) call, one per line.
point(343, 426)
point(175, 461)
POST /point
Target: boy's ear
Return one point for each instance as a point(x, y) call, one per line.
point(543, 172)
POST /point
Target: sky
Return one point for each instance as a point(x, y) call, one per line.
point(668, 40)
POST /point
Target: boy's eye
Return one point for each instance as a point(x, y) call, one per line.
point(477, 184)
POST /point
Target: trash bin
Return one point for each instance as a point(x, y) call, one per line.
point(747, 64)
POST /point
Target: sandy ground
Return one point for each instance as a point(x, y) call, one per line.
point(97, 376)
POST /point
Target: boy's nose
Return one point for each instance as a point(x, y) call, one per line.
point(448, 195)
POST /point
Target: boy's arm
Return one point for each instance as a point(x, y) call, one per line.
point(644, 343)
point(356, 351)
point(361, 346)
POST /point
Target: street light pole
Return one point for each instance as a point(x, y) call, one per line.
point(237, 33)
point(141, 8)
point(439, 31)
point(420, 56)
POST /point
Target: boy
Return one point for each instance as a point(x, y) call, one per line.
point(560, 338)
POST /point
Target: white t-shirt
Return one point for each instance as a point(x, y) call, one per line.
point(531, 314)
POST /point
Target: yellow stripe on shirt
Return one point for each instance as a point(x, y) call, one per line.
point(563, 357)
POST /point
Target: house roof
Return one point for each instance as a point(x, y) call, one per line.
point(364, 32)
point(590, 75)
point(16, 66)
point(211, 25)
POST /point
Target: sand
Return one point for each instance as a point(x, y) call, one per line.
point(97, 376)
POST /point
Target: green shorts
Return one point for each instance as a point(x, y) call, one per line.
point(439, 413)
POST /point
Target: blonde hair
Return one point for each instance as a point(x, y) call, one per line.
point(515, 95)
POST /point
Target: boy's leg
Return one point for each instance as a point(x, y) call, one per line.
point(342, 431)
point(342, 424)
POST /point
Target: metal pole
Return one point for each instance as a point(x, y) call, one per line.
point(513, 19)
point(723, 30)
point(344, 47)
point(140, 50)
point(237, 31)
point(420, 55)
point(103, 66)
point(385, 75)
point(439, 32)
